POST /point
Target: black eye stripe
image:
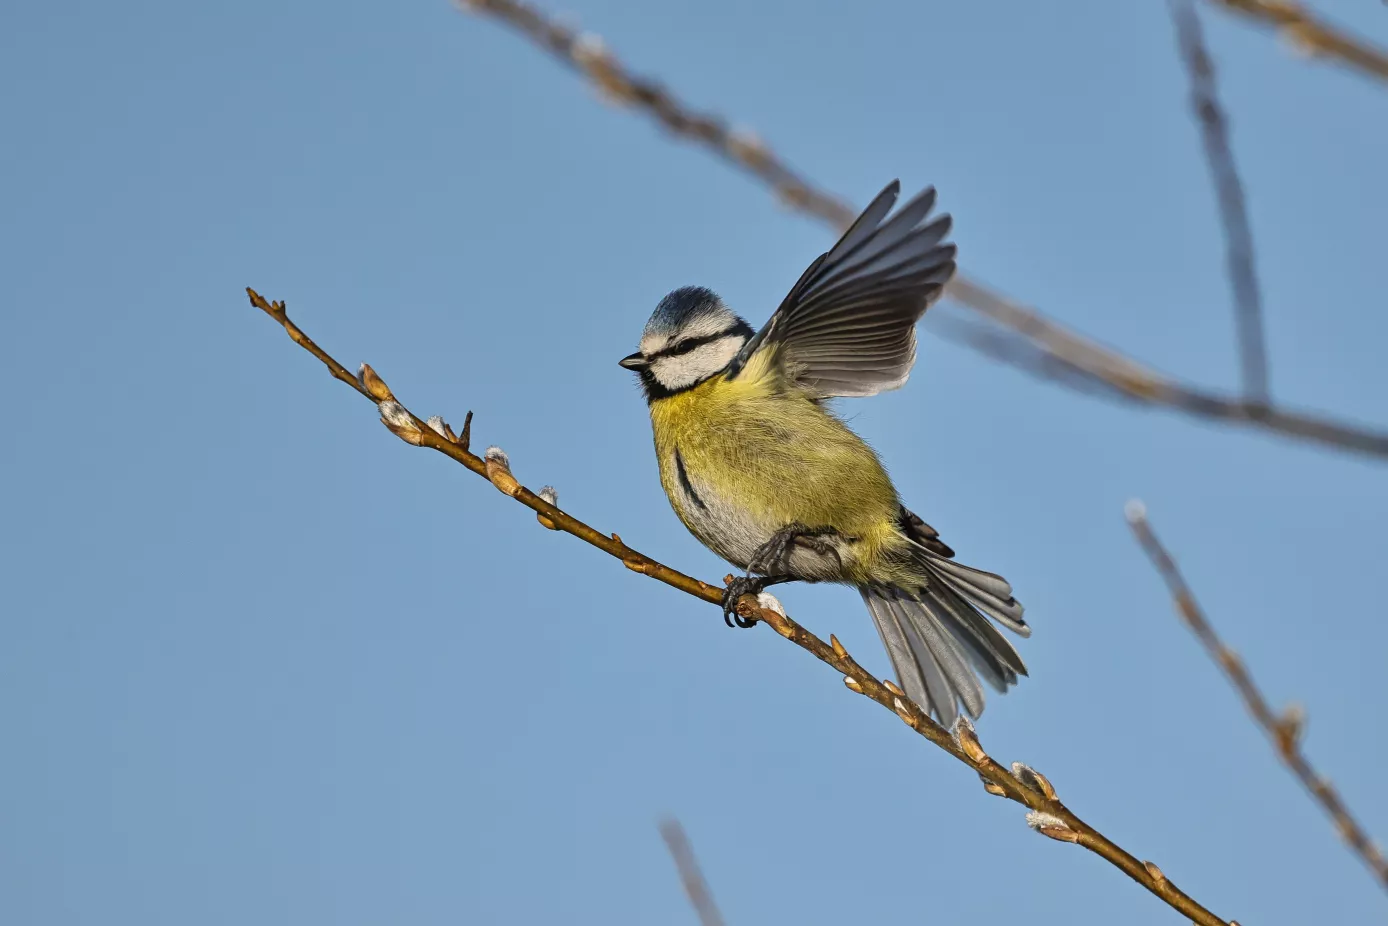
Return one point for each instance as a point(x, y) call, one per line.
point(685, 346)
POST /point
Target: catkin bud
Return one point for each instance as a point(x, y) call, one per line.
point(967, 740)
point(373, 384)
point(1052, 826)
point(1033, 779)
point(770, 603)
point(400, 422)
point(441, 428)
point(839, 651)
point(499, 471)
point(551, 495)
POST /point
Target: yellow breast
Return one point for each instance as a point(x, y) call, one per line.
point(762, 456)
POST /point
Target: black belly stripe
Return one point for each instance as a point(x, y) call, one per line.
point(684, 481)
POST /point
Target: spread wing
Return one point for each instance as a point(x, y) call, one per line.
point(848, 327)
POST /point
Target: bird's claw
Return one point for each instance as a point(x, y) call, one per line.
point(737, 587)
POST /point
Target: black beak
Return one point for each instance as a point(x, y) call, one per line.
point(634, 362)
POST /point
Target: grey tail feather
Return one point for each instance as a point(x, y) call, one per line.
point(939, 642)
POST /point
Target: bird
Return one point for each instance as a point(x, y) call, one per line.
point(768, 476)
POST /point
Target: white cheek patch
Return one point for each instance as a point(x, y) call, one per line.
point(681, 371)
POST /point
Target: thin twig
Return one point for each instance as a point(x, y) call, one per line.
point(1285, 730)
point(1233, 212)
point(1135, 384)
point(1025, 786)
point(587, 54)
point(695, 887)
point(1005, 347)
point(1023, 334)
point(1313, 36)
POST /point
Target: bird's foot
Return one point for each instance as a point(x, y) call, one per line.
point(737, 587)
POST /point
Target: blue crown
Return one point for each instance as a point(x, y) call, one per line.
point(684, 305)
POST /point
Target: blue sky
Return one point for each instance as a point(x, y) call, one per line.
point(264, 663)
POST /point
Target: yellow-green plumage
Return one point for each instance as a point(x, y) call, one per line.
point(762, 448)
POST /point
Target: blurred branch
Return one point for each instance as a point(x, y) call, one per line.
point(1313, 36)
point(587, 54)
point(1214, 133)
point(700, 897)
point(1021, 336)
point(1021, 784)
point(1003, 346)
point(1284, 730)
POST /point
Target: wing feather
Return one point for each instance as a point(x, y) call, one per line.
point(847, 328)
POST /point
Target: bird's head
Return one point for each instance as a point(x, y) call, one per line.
point(690, 337)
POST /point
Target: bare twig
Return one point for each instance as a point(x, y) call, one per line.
point(1135, 384)
point(1285, 730)
point(587, 54)
point(1049, 816)
point(1020, 335)
point(700, 897)
point(1214, 133)
point(1313, 36)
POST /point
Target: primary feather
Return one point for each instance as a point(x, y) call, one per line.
point(847, 328)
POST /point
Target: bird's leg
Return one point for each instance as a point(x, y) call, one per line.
point(773, 557)
point(772, 560)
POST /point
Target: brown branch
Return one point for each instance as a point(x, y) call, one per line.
point(1021, 784)
point(1285, 730)
point(1155, 391)
point(1313, 36)
point(587, 54)
point(695, 887)
point(1026, 332)
point(1233, 212)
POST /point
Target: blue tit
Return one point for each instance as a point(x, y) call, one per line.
point(765, 475)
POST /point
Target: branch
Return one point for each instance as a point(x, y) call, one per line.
point(1214, 132)
point(1313, 36)
point(1284, 731)
point(1020, 784)
point(1021, 332)
point(1158, 392)
point(700, 897)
